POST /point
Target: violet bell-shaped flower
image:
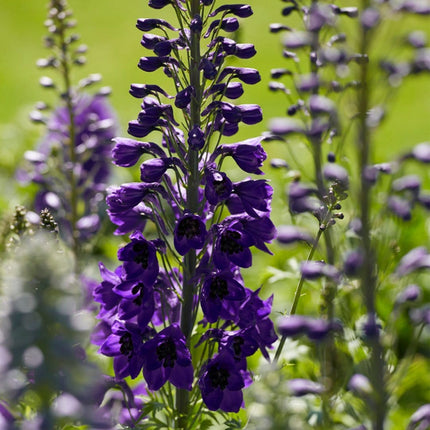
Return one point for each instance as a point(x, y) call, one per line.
point(190, 233)
point(221, 383)
point(167, 358)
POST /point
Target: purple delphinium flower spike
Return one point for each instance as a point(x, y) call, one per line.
point(71, 165)
point(184, 194)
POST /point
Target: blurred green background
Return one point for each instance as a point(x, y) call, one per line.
point(108, 28)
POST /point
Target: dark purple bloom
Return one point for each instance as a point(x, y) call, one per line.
point(245, 50)
point(163, 48)
point(421, 152)
point(251, 114)
point(166, 293)
point(127, 152)
point(152, 170)
point(104, 293)
point(315, 269)
point(183, 98)
point(336, 173)
point(218, 186)
point(190, 233)
point(247, 75)
point(240, 10)
point(158, 4)
point(150, 64)
point(410, 294)
point(249, 154)
point(315, 328)
point(416, 259)
point(131, 219)
point(196, 25)
point(407, 183)
point(147, 24)
point(131, 194)
point(221, 383)
point(209, 69)
point(138, 301)
point(318, 328)
point(287, 234)
point(234, 90)
point(125, 345)
point(140, 259)
point(167, 358)
point(261, 229)
point(400, 207)
point(232, 245)
point(217, 288)
point(143, 90)
point(353, 262)
point(300, 198)
point(300, 387)
point(293, 325)
point(196, 138)
point(227, 24)
point(254, 195)
point(360, 384)
point(149, 40)
point(240, 344)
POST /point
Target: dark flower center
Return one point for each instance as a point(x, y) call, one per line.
point(139, 288)
point(141, 254)
point(218, 288)
point(126, 343)
point(218, 377)
point(189, 227)
point(229, 242)
point(166, 353)
point(220, 186)
point(237, 346)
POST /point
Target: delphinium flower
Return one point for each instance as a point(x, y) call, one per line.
point(71, 164)
point(315, 77)
point(188, 270)
point(322, 63)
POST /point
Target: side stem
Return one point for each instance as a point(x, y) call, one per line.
point(73, 192)
point(369, 270)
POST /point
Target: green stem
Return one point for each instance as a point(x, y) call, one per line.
point(297, 294)
point(73, 192)
point(369, 269)
point(192, 205)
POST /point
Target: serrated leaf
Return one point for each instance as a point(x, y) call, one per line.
point(206, 424)
point(233, 424)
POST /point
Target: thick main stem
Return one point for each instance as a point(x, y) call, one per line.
point(188, 292)
point(368, 272)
